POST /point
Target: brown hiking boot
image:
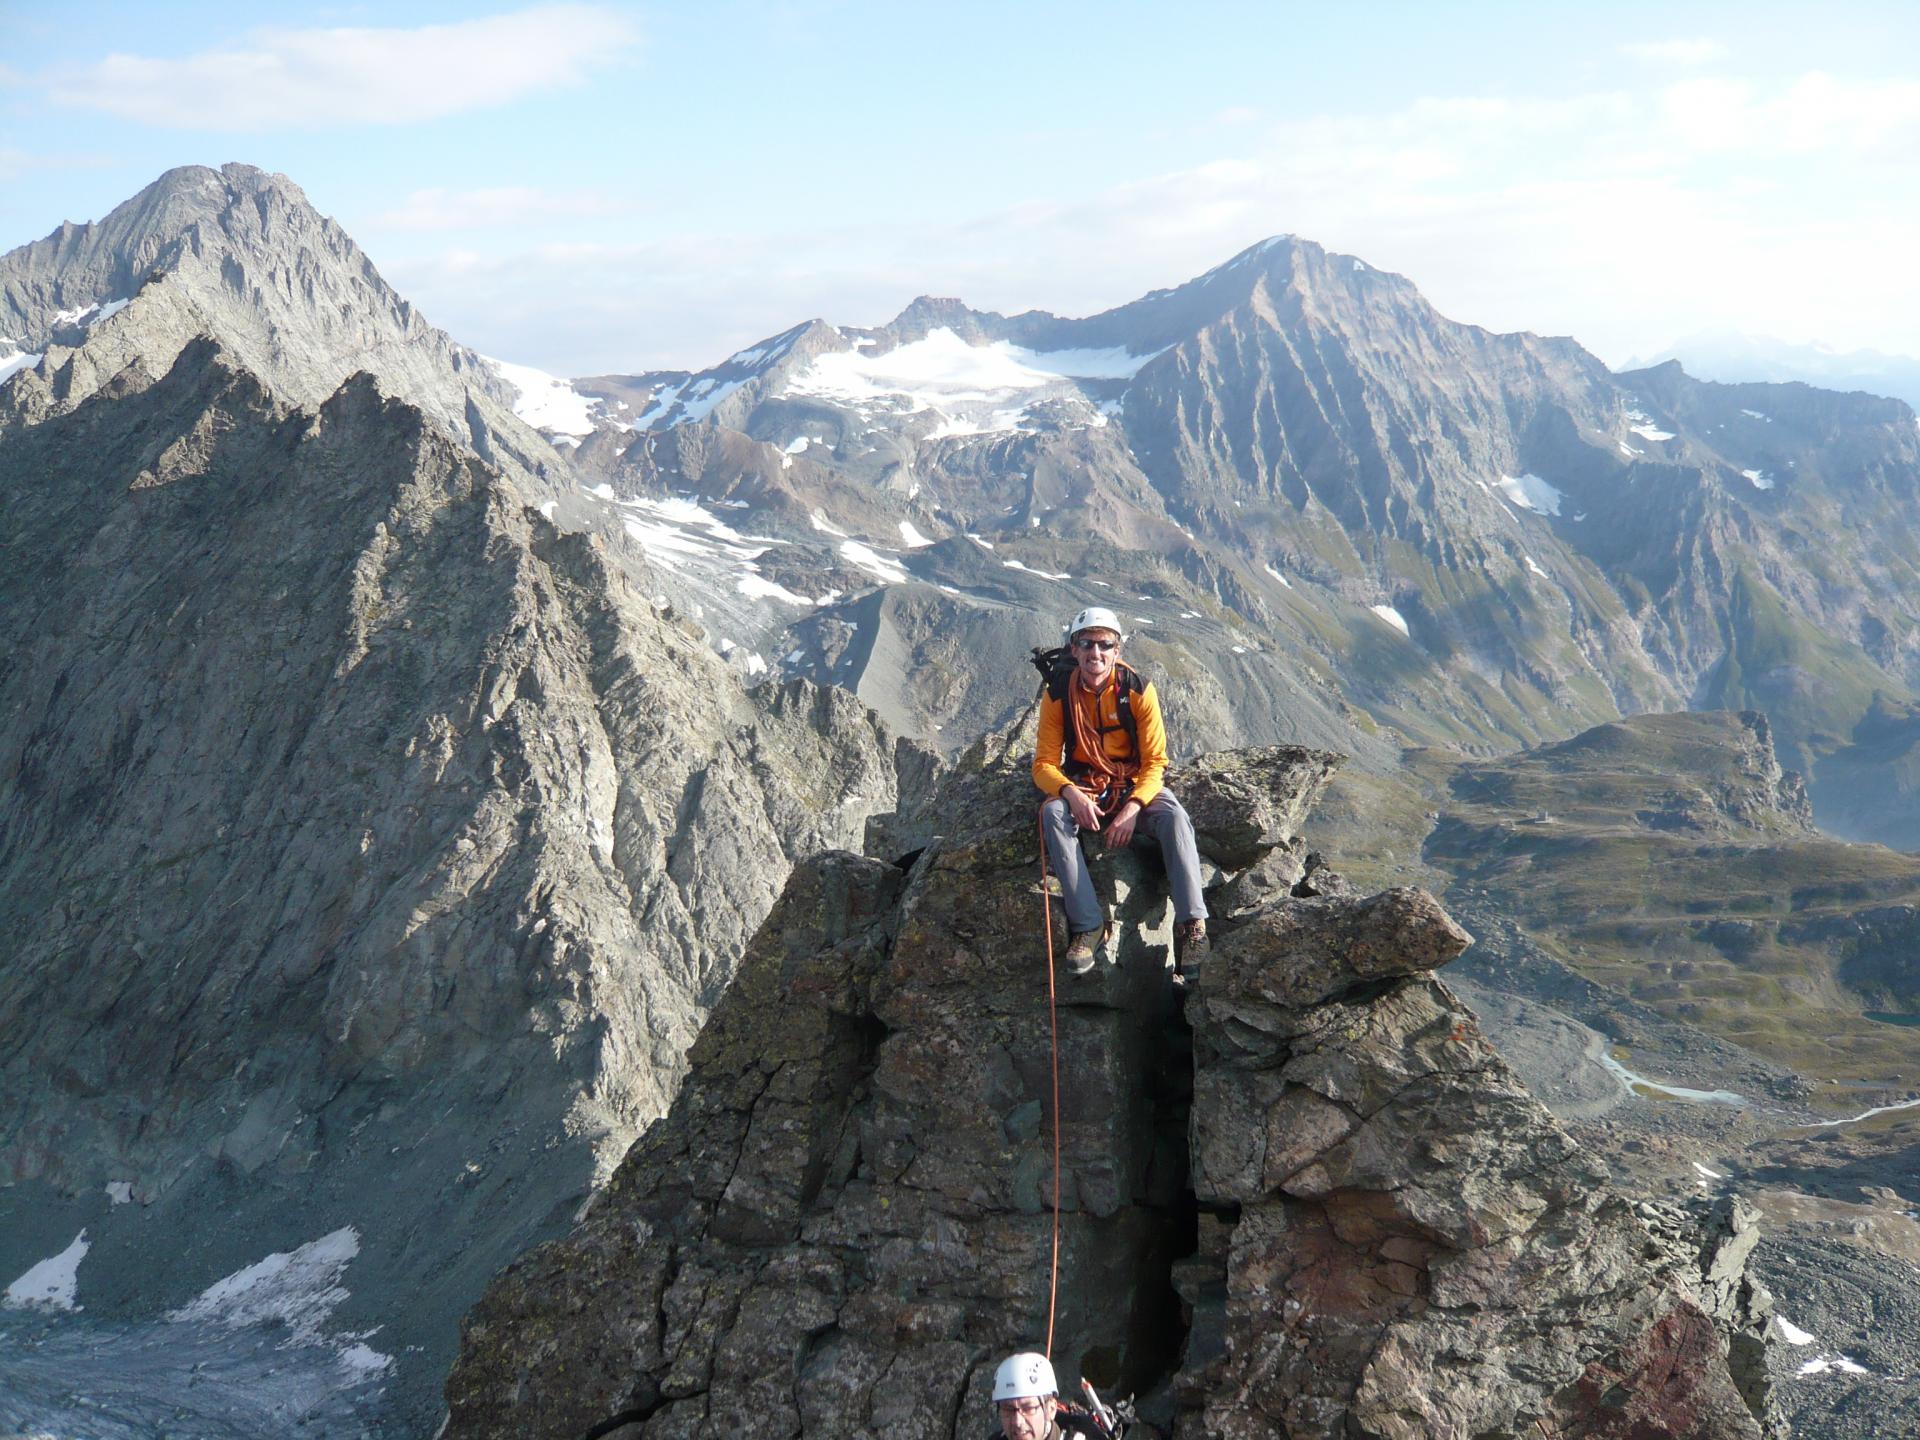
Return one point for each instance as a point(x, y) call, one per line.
point(1189, 948)
point(1080, 950)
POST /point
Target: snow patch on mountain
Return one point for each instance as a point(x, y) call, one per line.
point(1530, 492)
point(1043, 574)
point(687, 400)
point(676, 531)
point(974, 389)
point(1761, 480)
point(758, 587)
point(90, 315)
point(15, 362)
point(881, 567)
point(545, 401)
point(1791, 1332)
point(1641, 424)
point(1393, 617)
point(53, 1283)
point(298, 1289)
point(1822, 1364)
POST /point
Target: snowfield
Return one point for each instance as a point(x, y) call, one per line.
point(974, 389)
point(547, 402)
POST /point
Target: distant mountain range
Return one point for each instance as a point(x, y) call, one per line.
point(1343, 519)
point(1736, 359)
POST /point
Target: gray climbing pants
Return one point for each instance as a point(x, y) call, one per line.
point(1164, 821)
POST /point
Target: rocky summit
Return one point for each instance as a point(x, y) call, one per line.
point(1304, 1196)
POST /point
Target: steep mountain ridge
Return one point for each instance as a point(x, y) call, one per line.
point(371, 851)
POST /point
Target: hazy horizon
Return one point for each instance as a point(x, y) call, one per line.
point(617, 186)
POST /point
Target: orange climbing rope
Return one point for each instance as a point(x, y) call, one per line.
point(1053, 1022)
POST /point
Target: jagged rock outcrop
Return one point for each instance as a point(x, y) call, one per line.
point(845, 1220)
point(1708, 1247)
point(370, 850)
point(1396, 1240)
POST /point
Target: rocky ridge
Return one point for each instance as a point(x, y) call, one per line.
point(1317, 1202)
point(371, 849)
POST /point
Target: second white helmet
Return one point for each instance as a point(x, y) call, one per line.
point(1027, 1374)
point(1095, 617)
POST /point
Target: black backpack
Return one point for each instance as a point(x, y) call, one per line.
point(1056, 667)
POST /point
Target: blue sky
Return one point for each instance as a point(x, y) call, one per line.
point(613, 186)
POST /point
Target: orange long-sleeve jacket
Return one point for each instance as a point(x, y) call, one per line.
point(1049, 751)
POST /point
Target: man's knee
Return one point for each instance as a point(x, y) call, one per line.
point(1167, 811)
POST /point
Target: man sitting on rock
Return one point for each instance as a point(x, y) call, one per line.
point(1100, 753)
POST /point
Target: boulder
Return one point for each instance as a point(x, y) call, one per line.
point(1402, 1242)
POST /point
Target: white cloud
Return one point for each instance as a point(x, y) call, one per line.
point(439, 209)
point(1623, 217)
point(1698, 50)
point(1816, 113)
point(283, 78)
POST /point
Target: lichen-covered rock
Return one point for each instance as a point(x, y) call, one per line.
point(1407, 1245)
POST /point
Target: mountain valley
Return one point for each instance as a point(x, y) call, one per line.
point(403, 749)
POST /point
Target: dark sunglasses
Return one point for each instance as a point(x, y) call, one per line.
point(1100, 645)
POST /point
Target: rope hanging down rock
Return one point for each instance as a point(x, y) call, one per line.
point(1053, 1023)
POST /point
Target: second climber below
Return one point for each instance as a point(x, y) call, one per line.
point(1101, 755)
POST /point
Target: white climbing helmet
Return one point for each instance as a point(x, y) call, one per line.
point(1027, 1374)
point(1094, 617)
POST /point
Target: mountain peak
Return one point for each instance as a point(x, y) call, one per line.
point(239, 253)
point(928, 313)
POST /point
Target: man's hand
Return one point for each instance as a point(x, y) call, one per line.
point(1120, 828)
point(1080, 805)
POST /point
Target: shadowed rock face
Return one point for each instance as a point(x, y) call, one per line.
point(370, 851)
point(1336, 1213)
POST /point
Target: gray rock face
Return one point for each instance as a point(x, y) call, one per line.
point(845, 1220)
point(1396, 1239)
point(1709, 1247)
point(371, 850)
